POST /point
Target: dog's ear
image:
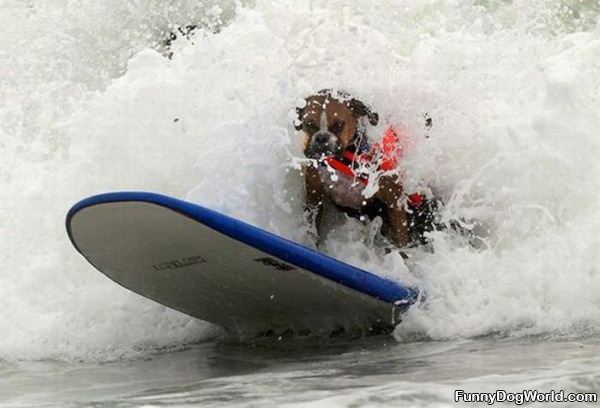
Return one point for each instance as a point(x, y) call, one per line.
point(298, 120)
point(360, 109)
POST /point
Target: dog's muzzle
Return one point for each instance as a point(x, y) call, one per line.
point(322, 143)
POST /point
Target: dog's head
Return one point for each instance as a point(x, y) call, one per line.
point(331, 122)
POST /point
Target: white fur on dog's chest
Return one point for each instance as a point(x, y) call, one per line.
point(342, 189)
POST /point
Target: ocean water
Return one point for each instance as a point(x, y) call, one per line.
point(90, 102)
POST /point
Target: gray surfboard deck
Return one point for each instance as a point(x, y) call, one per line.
point(250, 282)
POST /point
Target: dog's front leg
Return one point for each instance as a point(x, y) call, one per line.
point(315, 195)
point(399, 224)
point(390, 193)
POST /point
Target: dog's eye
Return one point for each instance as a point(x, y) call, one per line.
point(310, 127)
point(337, 127)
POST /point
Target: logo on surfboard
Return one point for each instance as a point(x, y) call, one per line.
point(274, 263)
point(179, 263)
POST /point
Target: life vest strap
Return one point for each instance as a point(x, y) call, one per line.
point(387, 154)
point(344, 169)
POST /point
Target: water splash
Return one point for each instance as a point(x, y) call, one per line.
point(511, 88)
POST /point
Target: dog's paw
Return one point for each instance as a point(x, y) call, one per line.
point(400, 252)
point(312, 239)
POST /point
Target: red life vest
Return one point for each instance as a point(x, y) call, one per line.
point(384, 156)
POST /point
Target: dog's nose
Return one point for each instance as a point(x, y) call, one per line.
point(321, 138)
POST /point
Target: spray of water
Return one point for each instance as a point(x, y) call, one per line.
point(90, 103)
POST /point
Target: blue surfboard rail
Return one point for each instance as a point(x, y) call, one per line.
point(282, 248)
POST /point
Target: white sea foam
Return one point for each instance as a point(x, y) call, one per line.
point(91, 104)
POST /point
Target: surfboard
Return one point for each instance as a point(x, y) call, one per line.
point(211, 266)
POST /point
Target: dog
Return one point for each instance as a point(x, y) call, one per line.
point(332, 124)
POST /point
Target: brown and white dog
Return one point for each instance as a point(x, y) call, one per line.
point(331, 123)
